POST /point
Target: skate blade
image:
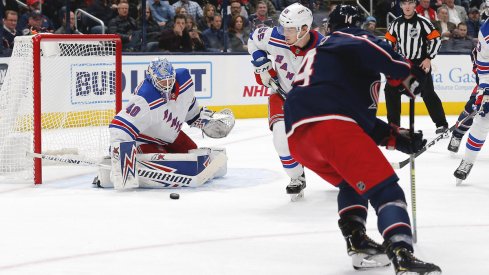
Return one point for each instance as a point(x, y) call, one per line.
point(362, 261)
point(418, 273)
point(297, 197)
point(458, 182)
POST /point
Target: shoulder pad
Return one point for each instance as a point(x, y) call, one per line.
point(147, 91)
point(183, 80)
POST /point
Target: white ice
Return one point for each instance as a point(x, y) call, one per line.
point(241, 224)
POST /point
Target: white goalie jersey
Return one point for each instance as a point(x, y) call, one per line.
point(268, 42)
point(148, 118)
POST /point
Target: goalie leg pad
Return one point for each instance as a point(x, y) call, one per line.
point(213, 152)
point(123, 161)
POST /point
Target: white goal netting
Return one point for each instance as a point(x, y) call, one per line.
point(77, 98)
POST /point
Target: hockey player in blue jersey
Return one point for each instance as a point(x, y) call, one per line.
point(332, 128)
point(151, 124)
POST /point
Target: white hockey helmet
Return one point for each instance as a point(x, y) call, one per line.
point(161, 74)
point(295, 16)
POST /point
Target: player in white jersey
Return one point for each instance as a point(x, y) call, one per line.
point(480, 127)
point(151, 124)
point(285, 45)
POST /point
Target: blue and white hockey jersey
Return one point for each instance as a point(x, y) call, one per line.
point(482, 56)
point(151, 119)
point(266, 41)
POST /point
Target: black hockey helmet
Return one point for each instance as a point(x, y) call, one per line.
point(344, 16)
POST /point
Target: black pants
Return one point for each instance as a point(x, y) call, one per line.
point(430, 98)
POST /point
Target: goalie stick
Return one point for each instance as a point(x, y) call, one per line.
point(401, 164)
point(178, 180)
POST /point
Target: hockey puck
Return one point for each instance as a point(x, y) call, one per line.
point(174, 196)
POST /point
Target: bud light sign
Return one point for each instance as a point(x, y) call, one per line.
point(92, 83)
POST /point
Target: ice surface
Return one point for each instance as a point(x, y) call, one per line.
point(241, 224)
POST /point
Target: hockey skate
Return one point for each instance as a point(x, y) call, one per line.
point(454, 144)
point(462, 171)
point(365, 253)
point(405, 263)
point(296, 188)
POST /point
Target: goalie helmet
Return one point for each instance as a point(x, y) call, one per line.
point(161, 74)
point(344, 16)
point(295, 16)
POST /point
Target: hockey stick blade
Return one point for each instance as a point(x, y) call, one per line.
point(67, 160)
point(401, 164)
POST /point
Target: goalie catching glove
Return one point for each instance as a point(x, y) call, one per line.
point(264, 71)
point(400, 139)
point(215, 124)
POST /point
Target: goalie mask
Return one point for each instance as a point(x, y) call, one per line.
point(292, 18)
point(161, 74)
point(344, 16)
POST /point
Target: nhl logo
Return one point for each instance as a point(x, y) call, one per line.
point(361, 185)
point(413, 33)
point(297, 51)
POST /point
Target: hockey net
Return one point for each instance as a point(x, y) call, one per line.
point(58, 96)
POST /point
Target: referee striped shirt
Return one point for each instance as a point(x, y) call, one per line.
point(415, 38)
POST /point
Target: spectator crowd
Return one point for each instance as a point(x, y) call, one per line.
point(203, 26)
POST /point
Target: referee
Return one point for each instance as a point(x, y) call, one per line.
point(416, 39)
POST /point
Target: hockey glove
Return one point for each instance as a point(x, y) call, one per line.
point(264, 71)
point(401, 140)
point(482, 105)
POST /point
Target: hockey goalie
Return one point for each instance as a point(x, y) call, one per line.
point(148, 147)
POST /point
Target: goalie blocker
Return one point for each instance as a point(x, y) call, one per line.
point(158, 170)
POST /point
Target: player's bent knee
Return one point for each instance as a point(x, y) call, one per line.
point(389, 193)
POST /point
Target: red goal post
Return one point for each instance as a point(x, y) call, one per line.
point(76, 86)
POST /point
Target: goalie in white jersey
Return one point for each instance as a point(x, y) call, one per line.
point(148, 133)
point(286, 45)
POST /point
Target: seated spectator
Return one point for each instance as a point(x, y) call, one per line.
point(181, 10)
point(100, 9)
point(460, 42)
point(193, 8)
point(125, 26)
point(261, 18)
point(214, 36)
point(205, 21)
point(161, 11)
point(474, 23)
point(195, 34)
point(238, 35)
point(442, 25)
point(271, 11)
point(371, 26)
point(62, 29)
point(9, 28)
point(35, 24)
point(235, 8)
point(456, 14)
point(46, 23)
point(424, 9)
point(176, 39)
point(242, 10)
